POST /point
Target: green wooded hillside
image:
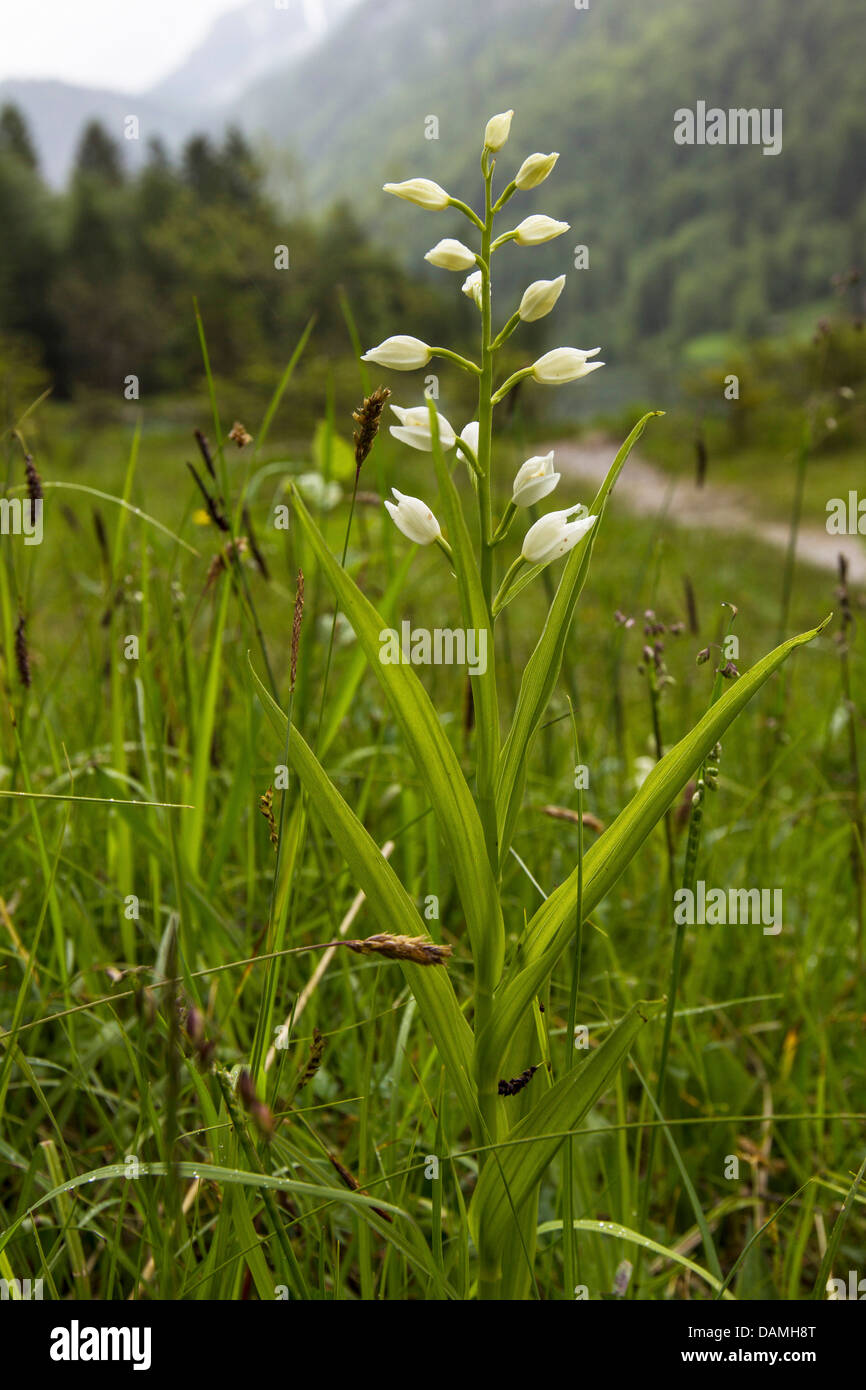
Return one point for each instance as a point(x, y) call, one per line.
point(683, 241)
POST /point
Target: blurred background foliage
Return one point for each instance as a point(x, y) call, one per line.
point(698, 256)
point(97, 281)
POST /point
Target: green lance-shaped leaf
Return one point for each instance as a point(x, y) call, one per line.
point(505, 1185)
point(342, 697)
point(543, 667)
point(390, 903)
point(436, 764)
point(546, 935)
point(475, 615)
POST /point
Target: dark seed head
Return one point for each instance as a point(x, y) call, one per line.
point(511, 1088)
point(22, 654)
point(367, 418)
point(296, 629)
point(34, 482)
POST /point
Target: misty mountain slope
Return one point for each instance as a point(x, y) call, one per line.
point(244, 45)
point(57, 113)
point(682, 240)
point(361, 102)
point(241, 45)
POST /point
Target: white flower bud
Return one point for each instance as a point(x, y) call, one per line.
point(498, 130)
point(539, 298)
point(414, 429)
point(414, 518)
point(424, 192)
point(472, 287)
point(469, 433)
point(534, 479)
point(314, 489)
point(402, 354)
point(534, 170)
point(564, 364)
point(451, 255)
point(538, 228)
point(554, 535)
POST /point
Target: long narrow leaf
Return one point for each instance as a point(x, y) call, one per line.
point(435, 761)
point(341, 697)
point(617, 1232)
point(820, 1287)
point(542, 669)
point(547, 933)
point(561, 1108)
point(390, 903)
point(475, 616)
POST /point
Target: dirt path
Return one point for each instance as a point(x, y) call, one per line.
point(646, 489)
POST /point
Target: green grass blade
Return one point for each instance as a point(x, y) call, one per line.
point(688, 1186)
point(341, 698)
point(618, 1232)
point(202, 781)
point(547, 934)
point(390, 903)
point(435, 761)
point(475, 614)
point(562, 1107)
point(820, 1289)
point(282, 384)
point(543, 667)
point(126, 506)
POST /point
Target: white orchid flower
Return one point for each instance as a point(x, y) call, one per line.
point(414, 518)
point(469, 434)
point(539, 298)
point(414, 429)
point(402, 353)
point(472, 287)
point(423, 192)
point(554, 535)
point(534, 479)
point(564, 364)
point(449, 254)
point(536, 229)
point(534, 170)
point(319, 493)
point(498, 131)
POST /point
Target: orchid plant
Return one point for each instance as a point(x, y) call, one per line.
point(516, 1129)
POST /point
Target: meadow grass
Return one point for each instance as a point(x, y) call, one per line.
point(130, 1170)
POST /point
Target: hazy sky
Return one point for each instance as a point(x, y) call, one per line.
point(125, 44)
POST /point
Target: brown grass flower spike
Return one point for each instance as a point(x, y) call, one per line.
point(296, 629)
point(266, 803)
point(22, 653)
point(418, 949)
point(314, 1059)
point(34, 482)
point(239, 435)
point(367, 418)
